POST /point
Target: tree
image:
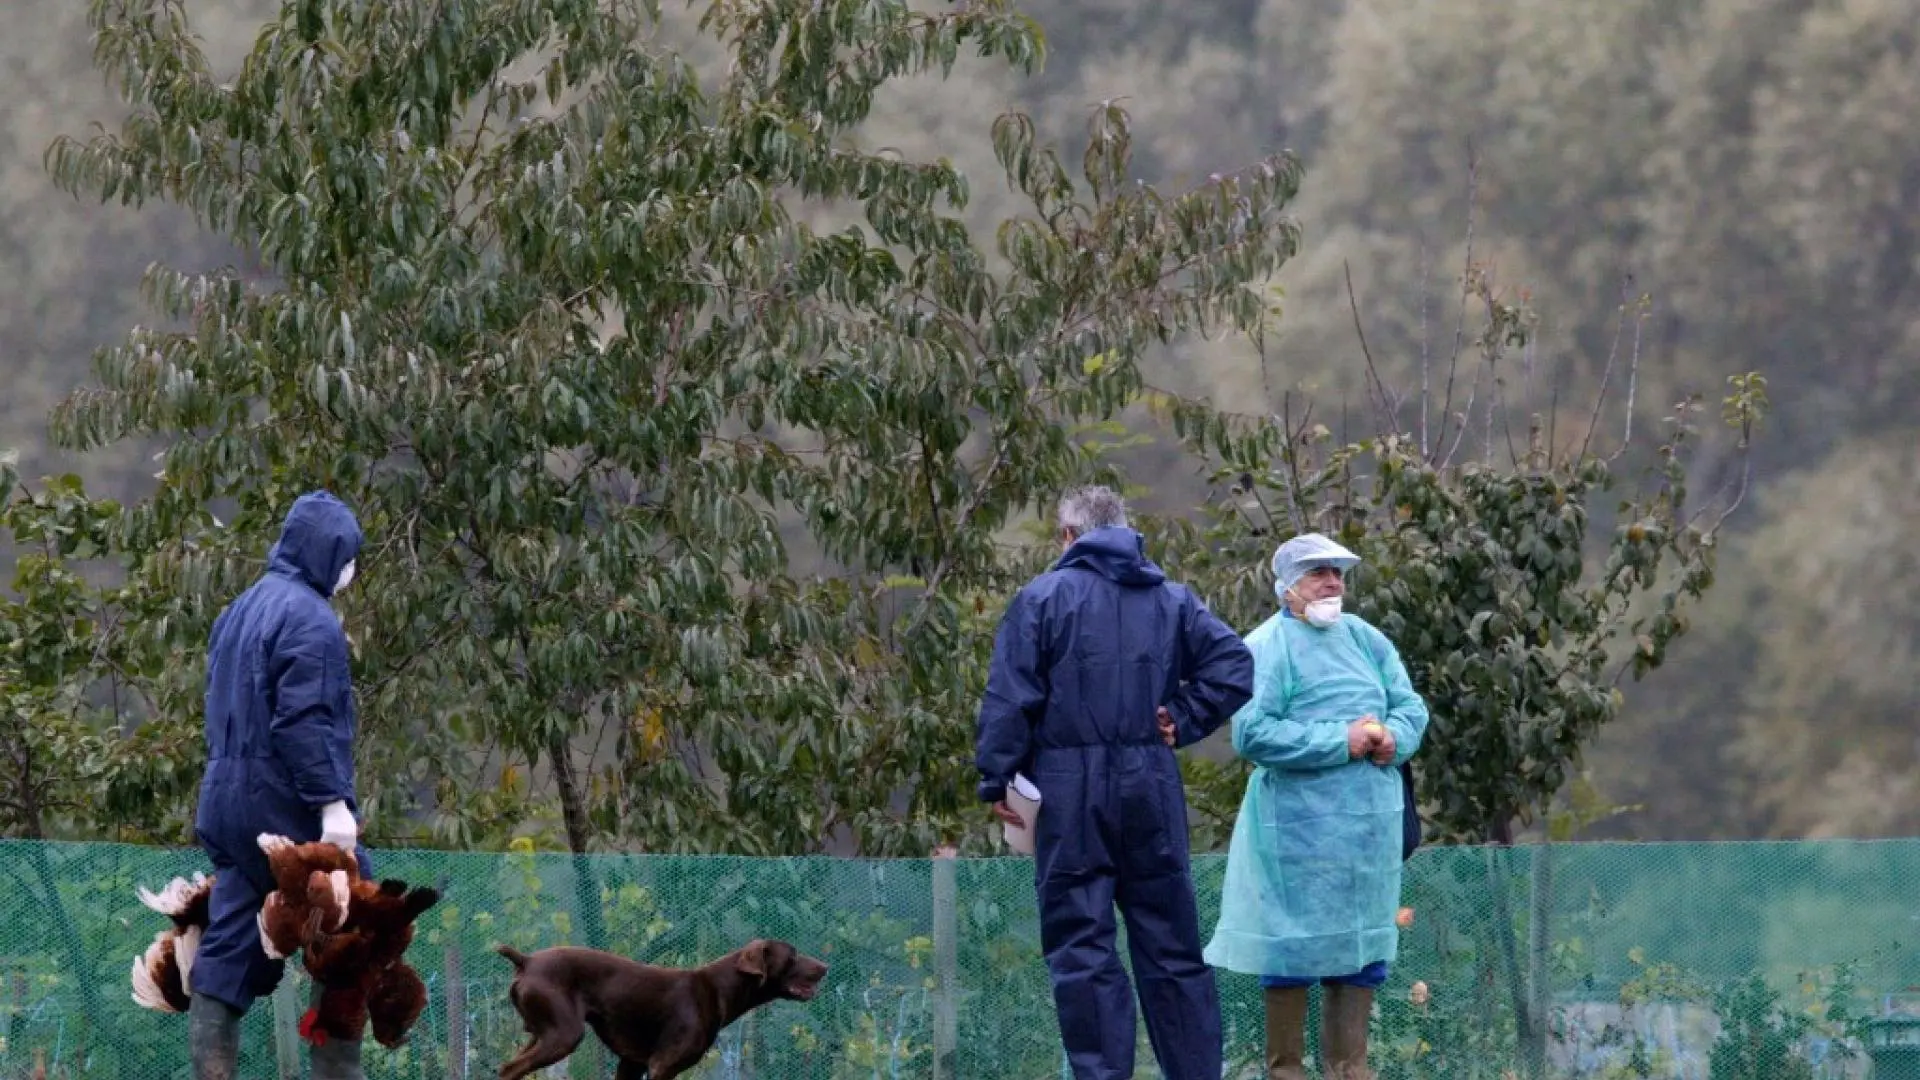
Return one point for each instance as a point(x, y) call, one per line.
point(1746, 160)
point(1479, 563)
point(1794, 108)
point(1478, 566)
point(84, 653)
point(1413, 92)
point(544, 314)
point(70, 266)
point(51, 629)
point(1825, 623)
point(64, 769)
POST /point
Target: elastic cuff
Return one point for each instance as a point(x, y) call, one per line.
point(992, 791)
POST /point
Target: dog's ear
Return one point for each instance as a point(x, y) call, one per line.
point(753, 959)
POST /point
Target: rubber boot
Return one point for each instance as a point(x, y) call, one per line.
point(213, 1038)
point(336, 1059)
point(1286, 1033)
point(1345, 1015)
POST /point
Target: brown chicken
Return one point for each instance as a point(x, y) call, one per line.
point(313, 883)
point(360, 970)
point(398, 998)
point(163, 977)
point(353, 935)
point(388, 912)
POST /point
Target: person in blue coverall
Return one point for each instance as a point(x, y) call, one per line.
point(280, 731)
point(1313, 869)
point(1100, 668)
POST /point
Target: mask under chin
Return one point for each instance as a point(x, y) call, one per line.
point(1323, 613)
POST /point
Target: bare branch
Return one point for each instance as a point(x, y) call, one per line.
point(960, 518)
point(1297, 507)
point(607, 718)
point(1375, 384)
point(1266, 379)
point(1506, 423)
point(1553, 420)
point(1460, 329)
point(1346, 485)
point(1529, 360)
point(939, 531)
point(1606, 373)
point(1260, 528)
point(1633, 380)
point(1493, 402)
point(1739, 484)
point(1426, 349)
point(1495, 348)
point(1464, 417)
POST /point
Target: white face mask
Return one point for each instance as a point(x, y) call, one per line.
point(1323, 613)
point(346, 578)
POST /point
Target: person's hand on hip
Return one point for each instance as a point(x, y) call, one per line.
point(1169, 731)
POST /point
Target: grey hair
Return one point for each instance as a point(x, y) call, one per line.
point(1093, 507)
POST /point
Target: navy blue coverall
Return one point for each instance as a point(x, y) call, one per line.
point(1085, 655)
point(280, 728)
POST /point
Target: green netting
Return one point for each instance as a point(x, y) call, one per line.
point(936, 972)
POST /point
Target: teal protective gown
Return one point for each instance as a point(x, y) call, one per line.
point(1313, 870)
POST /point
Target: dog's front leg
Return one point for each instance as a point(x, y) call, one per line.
point(666, 1063)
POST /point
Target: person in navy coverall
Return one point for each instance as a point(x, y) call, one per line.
point(1101, 668)
point(280, 731)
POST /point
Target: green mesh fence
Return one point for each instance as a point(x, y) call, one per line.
point(1684, 960)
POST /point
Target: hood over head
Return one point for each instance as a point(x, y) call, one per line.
point(320, 537)
point(1116, 553)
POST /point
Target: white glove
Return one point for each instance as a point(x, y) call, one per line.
point(337, 826)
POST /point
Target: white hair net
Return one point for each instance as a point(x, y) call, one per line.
point(1308, 551)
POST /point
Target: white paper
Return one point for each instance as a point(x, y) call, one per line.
point(1024, 799)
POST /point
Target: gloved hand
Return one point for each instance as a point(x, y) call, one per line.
point(337, 826)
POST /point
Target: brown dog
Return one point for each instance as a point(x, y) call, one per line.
point(658, 1021)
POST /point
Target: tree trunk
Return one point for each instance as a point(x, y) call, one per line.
point(1539, 942)
point(573, 811)
point(1529, 1031)
point(586, 884)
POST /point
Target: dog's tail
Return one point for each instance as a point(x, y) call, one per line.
point(514, 956)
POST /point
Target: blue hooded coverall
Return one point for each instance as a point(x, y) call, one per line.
point(280, 729)
point(1085, 655)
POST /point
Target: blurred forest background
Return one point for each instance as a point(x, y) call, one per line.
point(1743, 174)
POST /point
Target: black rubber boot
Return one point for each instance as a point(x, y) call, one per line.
point(336, 1060)
point(213, 1038)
